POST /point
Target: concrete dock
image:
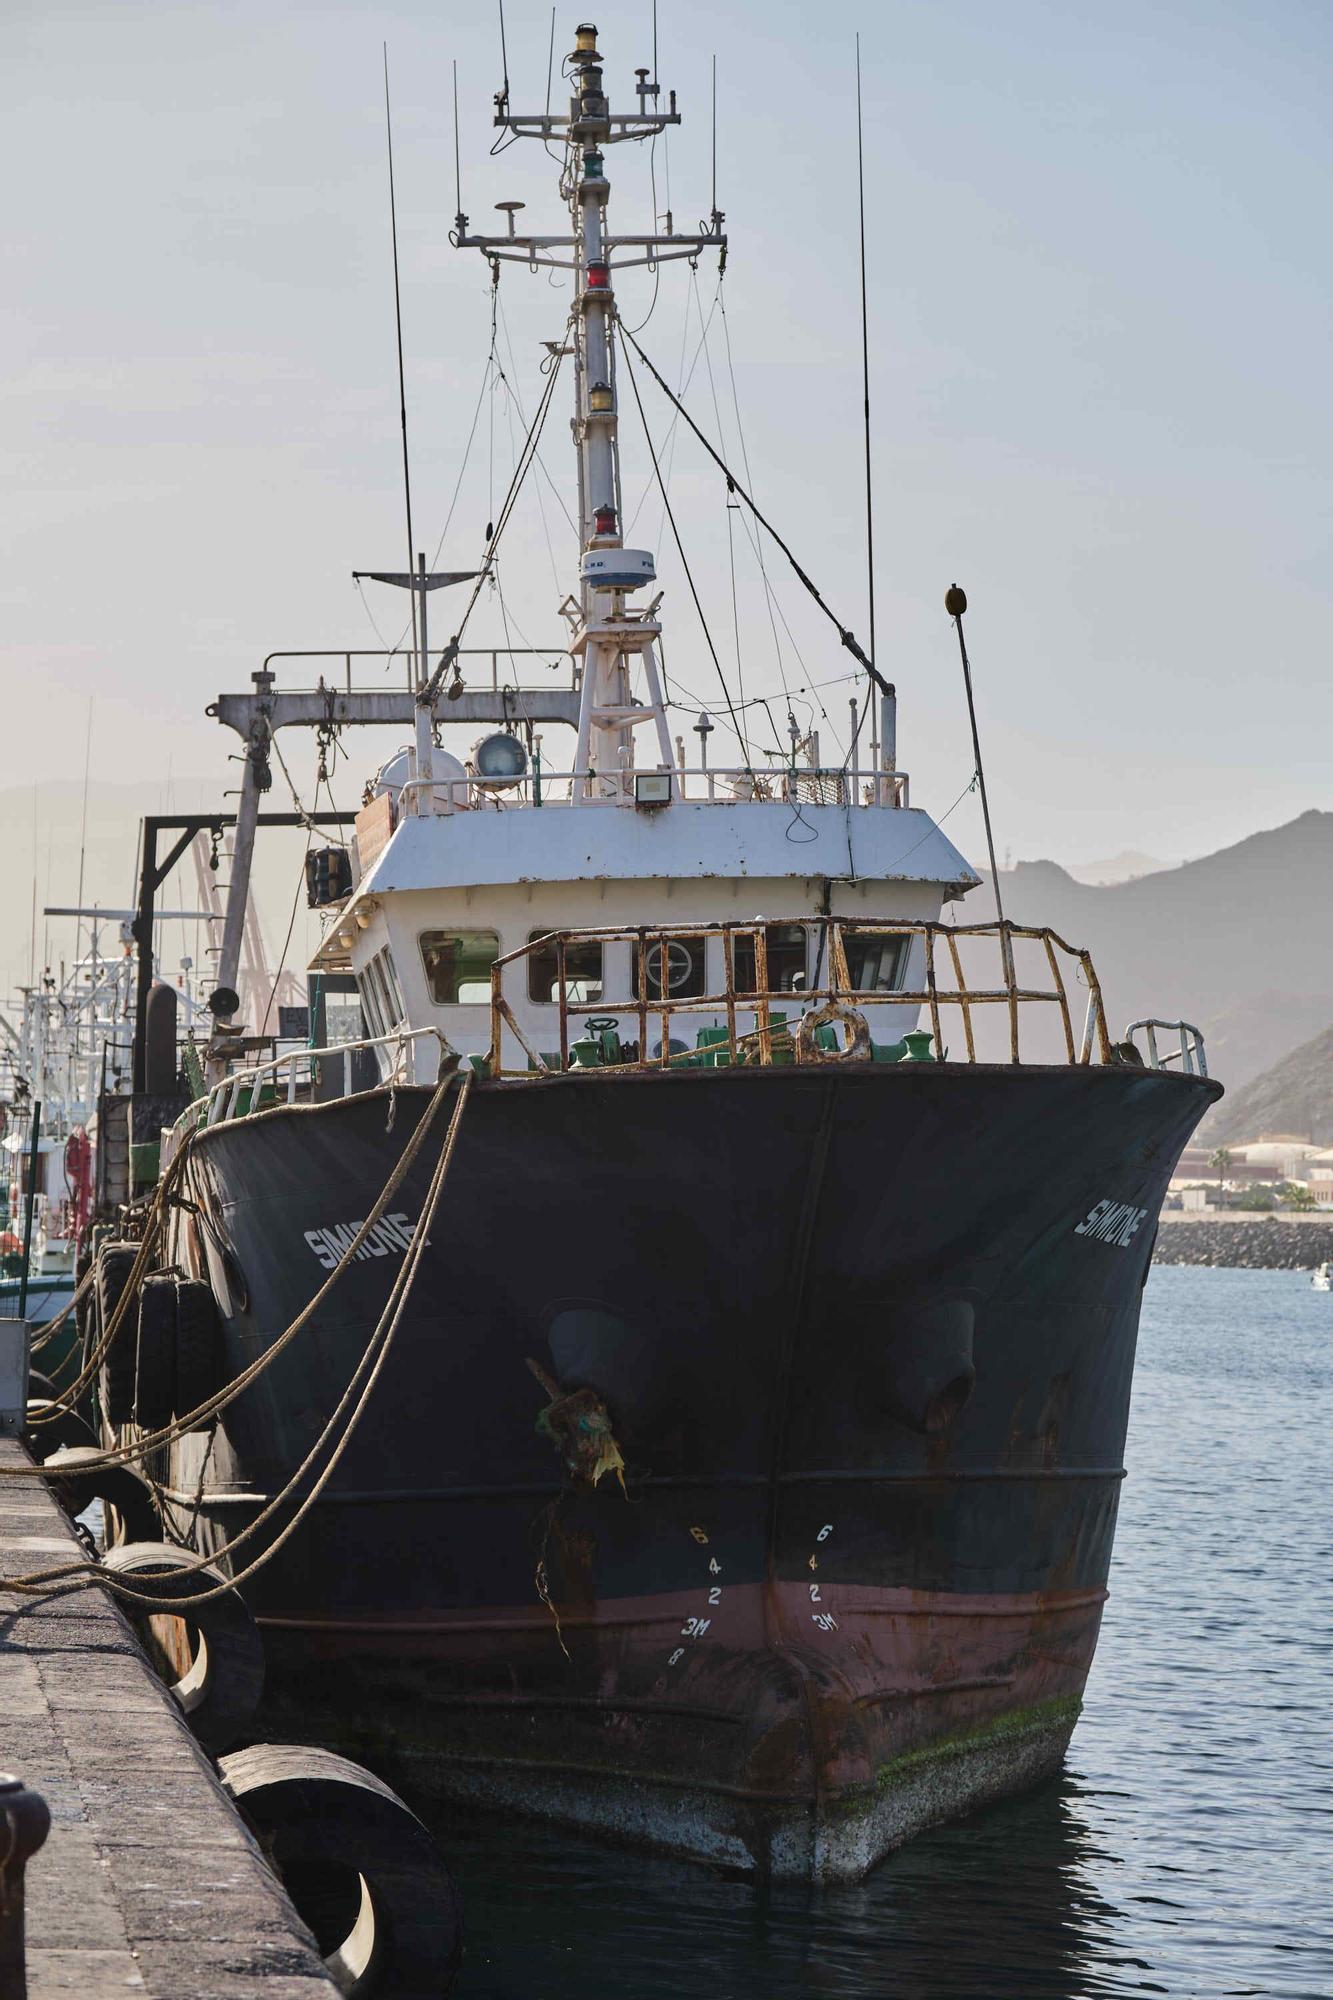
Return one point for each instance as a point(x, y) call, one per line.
point(148, 1882)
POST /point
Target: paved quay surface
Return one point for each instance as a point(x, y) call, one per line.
point(148, 1882)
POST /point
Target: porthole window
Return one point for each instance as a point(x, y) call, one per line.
point(458, 966)
point(583, 972)
point(675, 968)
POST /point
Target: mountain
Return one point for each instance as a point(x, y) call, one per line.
point(1295, 1095)
point(1238, 943)
point(1126, 866)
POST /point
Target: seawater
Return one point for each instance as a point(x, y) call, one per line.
point(1188, 1847)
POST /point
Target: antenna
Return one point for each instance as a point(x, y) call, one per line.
point(458, 169)
point(865, 354)
point(714, 131)
point(955, 603)
point(504, 55)
point(550, 64)
point(402, 385)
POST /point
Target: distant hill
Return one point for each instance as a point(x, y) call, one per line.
point(1239, 942)
point(1295, 1095)
point(1123, 867)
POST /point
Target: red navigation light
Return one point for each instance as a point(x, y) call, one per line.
point(599, 278)
point(604, 520)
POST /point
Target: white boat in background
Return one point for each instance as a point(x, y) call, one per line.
point(1321, 1278)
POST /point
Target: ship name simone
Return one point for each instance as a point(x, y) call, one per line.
point(389, 1237)
point(1115, 1222)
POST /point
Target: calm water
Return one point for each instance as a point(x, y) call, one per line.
point(1188, 1848)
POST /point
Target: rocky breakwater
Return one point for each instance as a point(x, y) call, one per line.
point(1254, 1243)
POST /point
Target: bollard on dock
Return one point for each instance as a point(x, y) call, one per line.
point(26, 1823)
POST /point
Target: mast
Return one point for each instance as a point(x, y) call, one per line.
point(610, 635)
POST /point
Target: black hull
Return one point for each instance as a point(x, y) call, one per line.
point(871, 1384)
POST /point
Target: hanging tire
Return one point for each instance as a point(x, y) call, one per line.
point(362, 1870)
point(41, 1388)
point(49, 1427)
point(200, 1367)
point(84, 1478)
point(210, 1655)
point(115, 1261)
point(155, 1360)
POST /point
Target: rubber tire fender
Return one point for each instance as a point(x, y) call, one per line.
point(84, 1478)
point(155, 1360)
point(319, 1816)
point(200, 1364)
point(66, 1427)
point(115, 1261)
point(219, 1692)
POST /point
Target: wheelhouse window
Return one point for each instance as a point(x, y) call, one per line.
point(381, 995)
point(675, 969)
point(458, 966)
point(876, 964)
point(583, 972)
point(785, 947)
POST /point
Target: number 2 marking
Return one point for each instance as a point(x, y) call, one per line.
point(815, 1598)
point(715, 1594)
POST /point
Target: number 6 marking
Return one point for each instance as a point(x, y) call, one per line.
point(825, 1532)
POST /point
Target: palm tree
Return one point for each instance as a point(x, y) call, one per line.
point(1220, 1160)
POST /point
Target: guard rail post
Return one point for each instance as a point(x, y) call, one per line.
point(27, 1821)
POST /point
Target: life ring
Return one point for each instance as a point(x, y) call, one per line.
point(210, 1655)
point(85, 1477)
point(362, 1870)
point(858, 1047)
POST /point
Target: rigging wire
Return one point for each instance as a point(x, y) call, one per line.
point(450, 653)
point(847, 636)
point(689, 576)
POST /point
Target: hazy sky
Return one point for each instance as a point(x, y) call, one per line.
point(1099, 309)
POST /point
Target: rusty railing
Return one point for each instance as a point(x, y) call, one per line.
point(836, 1000)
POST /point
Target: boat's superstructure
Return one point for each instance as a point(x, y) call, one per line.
point(743, 1474)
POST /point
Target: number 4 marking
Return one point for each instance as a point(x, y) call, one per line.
point(714, 1566)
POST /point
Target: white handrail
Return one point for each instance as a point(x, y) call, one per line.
point(450, 795)
point(220, 1102)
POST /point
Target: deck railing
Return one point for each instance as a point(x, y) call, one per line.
point(692, 784)
point(933, 951)
point(1189, 1052)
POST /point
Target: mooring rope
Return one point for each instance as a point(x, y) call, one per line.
point(190, 1420)
point(361, 1387)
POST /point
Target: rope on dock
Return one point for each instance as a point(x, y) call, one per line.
point(360, 1387)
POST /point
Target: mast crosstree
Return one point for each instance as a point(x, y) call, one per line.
point(609, 634)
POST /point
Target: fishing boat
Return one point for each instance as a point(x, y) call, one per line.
point(742, 1475)
point(1321, 1278)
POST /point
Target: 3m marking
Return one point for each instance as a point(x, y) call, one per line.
point(1112, 1222)
point(825, 1621)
